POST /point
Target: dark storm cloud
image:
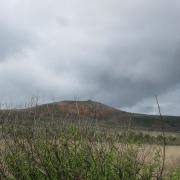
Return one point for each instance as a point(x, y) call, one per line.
point(145, 76)
point(118, 52)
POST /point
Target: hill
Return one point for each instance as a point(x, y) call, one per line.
point(93, 112)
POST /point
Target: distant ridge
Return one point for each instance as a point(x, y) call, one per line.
point(95, 112)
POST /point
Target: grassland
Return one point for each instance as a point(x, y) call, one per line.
point(70, 153)
point(32, 147)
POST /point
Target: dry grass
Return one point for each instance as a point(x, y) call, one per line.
point(172, 160)
point(172, 156)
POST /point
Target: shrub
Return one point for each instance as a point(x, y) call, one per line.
point(72, 152)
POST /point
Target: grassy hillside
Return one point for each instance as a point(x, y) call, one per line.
point(92, 112)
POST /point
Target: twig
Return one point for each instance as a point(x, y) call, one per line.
point(164, 139)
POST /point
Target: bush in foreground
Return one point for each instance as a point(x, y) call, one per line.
point(73, 152)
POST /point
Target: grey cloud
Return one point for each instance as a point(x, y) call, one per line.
point(118, 52)
point(12, 41)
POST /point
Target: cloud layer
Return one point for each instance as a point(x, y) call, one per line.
point(118, 52)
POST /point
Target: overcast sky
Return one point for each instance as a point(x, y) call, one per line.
point(119, 52)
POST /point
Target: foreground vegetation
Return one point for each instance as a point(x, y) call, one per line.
point(57, 149)
point(68, 151)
